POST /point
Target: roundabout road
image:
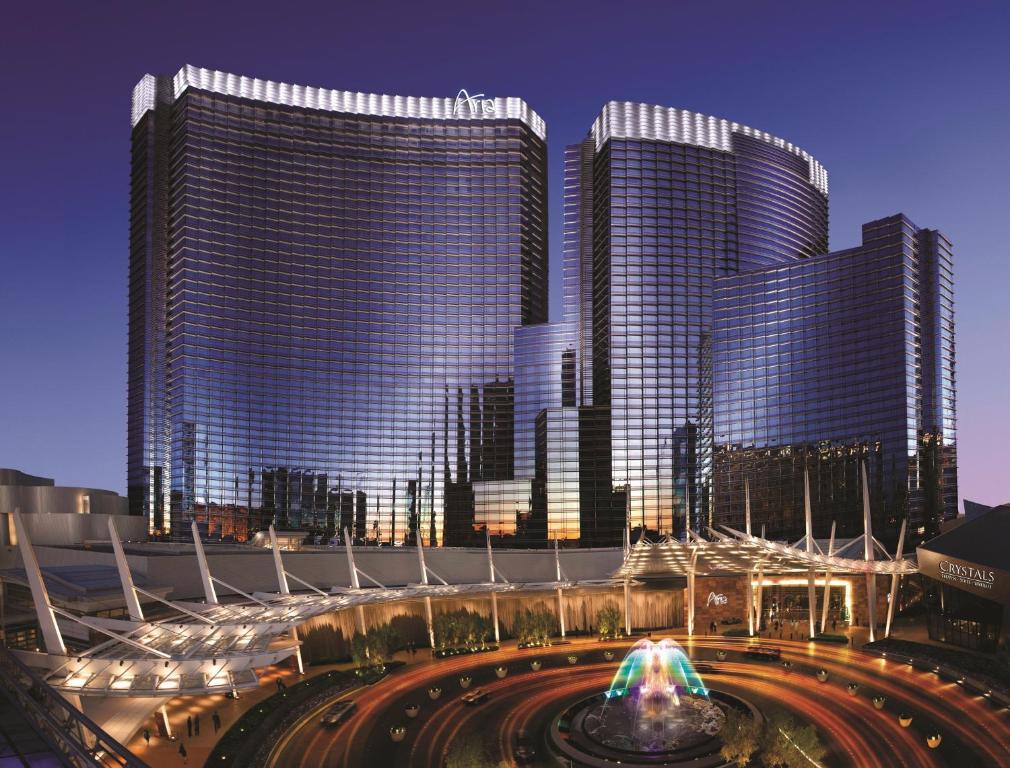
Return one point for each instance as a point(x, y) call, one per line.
point(974, 732)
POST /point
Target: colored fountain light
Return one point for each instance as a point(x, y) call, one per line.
point(656, 669)
point(657, 711)
point(657, 702)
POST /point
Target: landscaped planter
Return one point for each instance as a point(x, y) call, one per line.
point(878, 702)
point(412, 710)
point(536, 664)
point(398, 733)
point(608, 655)
point(933, 740)
point(904, 720)
point(434, 692)
point(822, 675)
point(500, 672)
point(464, 682)
point(852, 689)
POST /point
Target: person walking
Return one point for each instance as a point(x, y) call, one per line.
point(147, 737)
point(216, 719)
point(196, 725)
point(183, 753)
point(189, 726)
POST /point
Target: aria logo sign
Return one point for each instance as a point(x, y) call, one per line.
point(471, 105)
point(966, 574)
point(716, 599)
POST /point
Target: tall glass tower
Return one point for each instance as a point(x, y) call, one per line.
point(324, 292)
point(660, 203)
point(830, 364)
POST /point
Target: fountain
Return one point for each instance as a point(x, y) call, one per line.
point(657, 710)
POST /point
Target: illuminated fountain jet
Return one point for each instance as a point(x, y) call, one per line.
point(656, 702)
point(659, 672)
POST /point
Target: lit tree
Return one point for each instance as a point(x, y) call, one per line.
point(787, 745)
point(608, 620)
point(741, 737)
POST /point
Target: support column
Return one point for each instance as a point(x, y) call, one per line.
point(209, 593)
point(811, 576)
point(561, 603)
point(827, 581)
point(491, 578)
point(750, 602)
point(561, 613)
point(282, 579)
point(627, 606)
point(871, 578)
point(352, 569)
point(430, 619)
point(761, 585)
point(690, 593)
point(298, 650)
point(125, 577)
point(164, 726)
point(746, 505)
point(494, 616)
point(282, 585)
point(40, 595)
point(898, 557)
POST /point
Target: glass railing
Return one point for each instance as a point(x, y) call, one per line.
point(75, 738)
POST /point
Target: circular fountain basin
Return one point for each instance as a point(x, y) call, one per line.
point(602, 730)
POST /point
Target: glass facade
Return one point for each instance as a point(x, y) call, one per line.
point(323, 307)
point(674, 200)
point(961, 618)
point(834, 361)
point(338, 320)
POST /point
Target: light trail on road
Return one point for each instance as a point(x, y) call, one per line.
point(857, 734)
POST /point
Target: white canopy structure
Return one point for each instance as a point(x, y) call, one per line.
point(731, 551)
point(215, 647)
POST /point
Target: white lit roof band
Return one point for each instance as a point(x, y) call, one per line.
point(350, 102)
point(631, 120)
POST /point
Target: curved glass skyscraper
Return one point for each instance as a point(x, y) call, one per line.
point(837, 362)
point(324, 291)
point(674, 200)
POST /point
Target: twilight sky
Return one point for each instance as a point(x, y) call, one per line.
point(907, 104)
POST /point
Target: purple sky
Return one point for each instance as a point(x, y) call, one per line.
point(907, 104)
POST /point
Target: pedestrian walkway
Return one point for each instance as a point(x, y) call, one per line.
point(182, 711)
point(185, 712)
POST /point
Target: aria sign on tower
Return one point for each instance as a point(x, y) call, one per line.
point(472, 105)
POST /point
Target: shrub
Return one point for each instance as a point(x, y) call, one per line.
point(535, 627)
point(608, 621)
point(376, 647)
point(461, 629)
